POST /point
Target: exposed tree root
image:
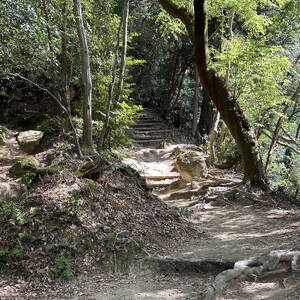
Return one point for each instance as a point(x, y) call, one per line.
point(254, 266)
point(182, 266)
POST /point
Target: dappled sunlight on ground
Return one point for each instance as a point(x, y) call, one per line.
point(162, 294)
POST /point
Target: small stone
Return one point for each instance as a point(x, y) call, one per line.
point(10, 191)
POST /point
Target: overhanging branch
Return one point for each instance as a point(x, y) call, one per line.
point(180, 13)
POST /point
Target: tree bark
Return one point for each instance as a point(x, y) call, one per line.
point(216, 88)
point(124, 50)
point(111, 89)
point(278, 128)
point(87, 140)
point(195, 104)
point(214, 130)
point(206, 118)
point(45, 10)
point(65, 67)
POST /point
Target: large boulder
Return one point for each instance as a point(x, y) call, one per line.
point(24, 165)
point(30, 165)
point(10, 191)
point(29, 140)
point(190, 164)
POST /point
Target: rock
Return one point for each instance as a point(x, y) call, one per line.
point(29, 140)
point(3, 132)
point(10, 191)
point(23, 166)
point(190, 164)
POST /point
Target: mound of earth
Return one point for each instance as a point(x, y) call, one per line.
point(64, 223)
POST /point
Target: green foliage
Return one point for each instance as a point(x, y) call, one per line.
point(22, 235)
point(168, 26)
point(184, 212)
point(18, 253)
point(111, 240)
point(28, 179)
point(228, 152)
point(51, 126)
point(122, 118)
point(285, 172)
point(257, 75)
point(4, 256)
point(10, 212)
point(247, 12)
point(63, 267)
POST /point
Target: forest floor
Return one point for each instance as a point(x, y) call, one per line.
point(234, 232)
point(238, 225)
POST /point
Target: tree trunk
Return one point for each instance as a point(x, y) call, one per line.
point(217, 90)
point(124, 50)
point(87, 140)
point(278, 128)
point(65, 67)
point(195, 104)
point(45, 11)
point(111, 89)
point(206, 119)
point(214, 130)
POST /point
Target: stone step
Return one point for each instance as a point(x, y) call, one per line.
point(143, 129)
point(151, 131)
point(183, 194)
point(153, 119)
point(147, 117)
point(158, 125)
point(174, 187)
point(161, 183)
point(161, 177)
point(181, 203)
point(148, 141)
point(145, 137)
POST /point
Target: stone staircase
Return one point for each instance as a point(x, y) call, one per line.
point(151, 130)
point(153, 156)
point(157, 166)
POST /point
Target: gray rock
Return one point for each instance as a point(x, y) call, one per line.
point(29, 140)
point(24, 165)
point(3, 133)
point(10, 191)
point(190, 164)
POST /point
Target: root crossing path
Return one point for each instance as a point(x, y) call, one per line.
point(237, 259)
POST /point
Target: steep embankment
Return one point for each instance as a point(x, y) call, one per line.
point(65, 224)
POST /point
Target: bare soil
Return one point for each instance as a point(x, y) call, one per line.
point(235, 223)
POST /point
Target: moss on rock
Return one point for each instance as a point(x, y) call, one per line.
point(29, 164)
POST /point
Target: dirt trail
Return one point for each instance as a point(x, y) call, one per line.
point(235, 230)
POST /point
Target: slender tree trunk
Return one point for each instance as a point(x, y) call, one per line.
point(179, 88)
point(65, 67)
point(214, 130)
point(65, 99)
point(277, 130)
point(216, 88)
point(111, 89)
point(124, 50)
point(87, 140)
point(45, 11)
point(195, 104)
